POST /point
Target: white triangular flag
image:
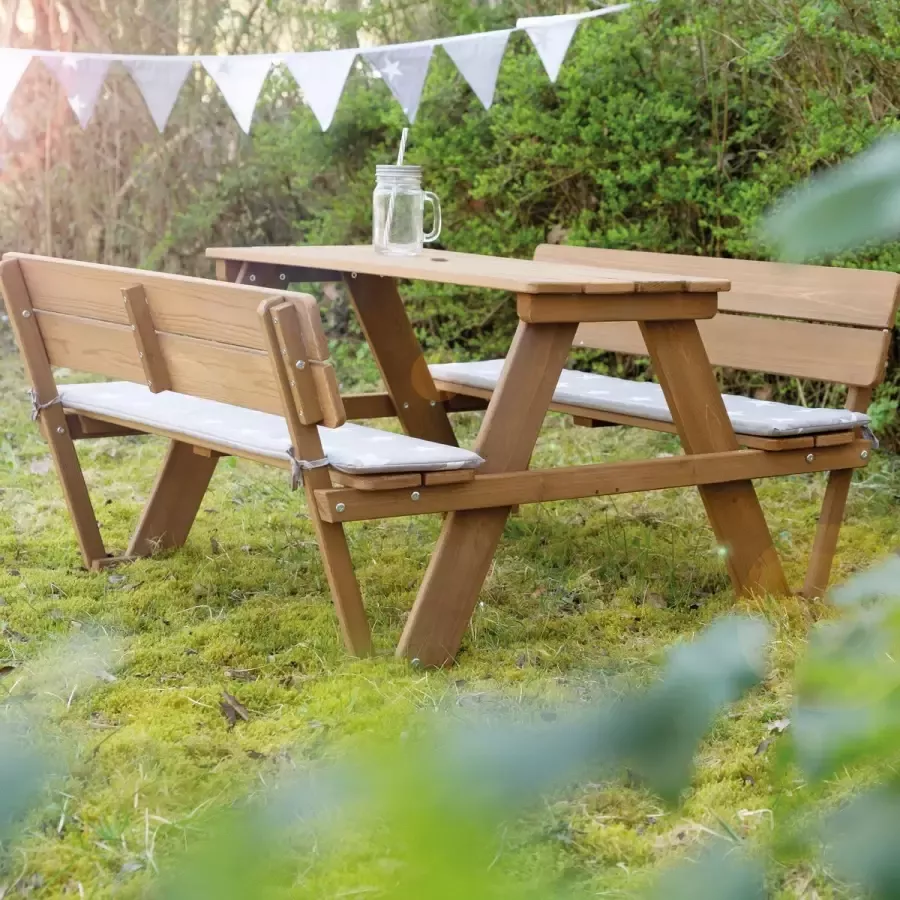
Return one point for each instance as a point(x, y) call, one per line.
point(240, 79)
point(321, 76)
point(81, 77)
point(13, 64)
point(478, 58)
point(160, 81)
point(552, 43)
point(403, 69)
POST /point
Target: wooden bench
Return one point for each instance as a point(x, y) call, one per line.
point(825, 324)
point(219, 370)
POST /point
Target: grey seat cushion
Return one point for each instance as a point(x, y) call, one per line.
point(354, 449)
point(762, 418)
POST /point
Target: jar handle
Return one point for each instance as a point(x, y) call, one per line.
point(435, 233)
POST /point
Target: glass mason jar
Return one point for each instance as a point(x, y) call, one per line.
point(398, 211)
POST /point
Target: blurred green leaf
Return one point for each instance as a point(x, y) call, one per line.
point(657, 735)
point(882, 582)
point(841, 209)
point(863, 843)
point(723, 871)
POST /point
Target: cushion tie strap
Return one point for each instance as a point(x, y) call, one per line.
point(37, 407)
point(299, 466)
point(869, 435)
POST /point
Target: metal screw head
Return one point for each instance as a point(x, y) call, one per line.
point(282, 277)
point(150, 384)
point(415, 495)
point(140, 355)
point(134, 327)
point(274, 321)
point(60, 430)
point(406, 406)
point(300, 364)
point(353, 274)
point(26, 313)
point(864, 454)
point(434, 402)
point(293, 383)
point(340, 507)
point(252, 278)
point(416, 663)
point(811, 458)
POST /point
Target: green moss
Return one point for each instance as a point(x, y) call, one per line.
point(583, 596)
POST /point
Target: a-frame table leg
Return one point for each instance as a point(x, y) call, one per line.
point(686, 376)
point(469, 538)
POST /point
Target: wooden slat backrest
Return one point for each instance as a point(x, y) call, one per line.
point(860, 297)
point(803, 297)
point(208, 333)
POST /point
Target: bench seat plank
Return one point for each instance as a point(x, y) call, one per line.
point(354, 449)
point(603, 393)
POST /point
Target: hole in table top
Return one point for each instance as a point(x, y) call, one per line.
point(439, 259)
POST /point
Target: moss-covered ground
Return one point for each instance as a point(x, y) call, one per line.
point(580, 593)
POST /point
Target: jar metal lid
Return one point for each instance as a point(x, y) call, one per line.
point(399, 171)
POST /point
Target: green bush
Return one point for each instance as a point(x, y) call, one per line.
point(672, 128)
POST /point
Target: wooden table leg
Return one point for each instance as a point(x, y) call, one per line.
point(686, 376)
point(399, 357)
point(469, 538)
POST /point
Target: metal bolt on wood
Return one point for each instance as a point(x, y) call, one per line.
point(415, 495)
point(811, 458)
point(340, 507)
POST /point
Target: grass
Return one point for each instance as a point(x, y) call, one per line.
point(582, 595)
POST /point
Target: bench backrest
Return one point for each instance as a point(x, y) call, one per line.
point(815, 322)
point(204, 338)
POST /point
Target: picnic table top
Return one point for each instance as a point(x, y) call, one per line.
point(521, 276)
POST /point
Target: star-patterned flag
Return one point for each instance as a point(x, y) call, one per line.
point(478, 58)
point(240, 79)
point(403, 69)
point(81, 77)
point(160, 81)
point(321, 77)
point(13, 64)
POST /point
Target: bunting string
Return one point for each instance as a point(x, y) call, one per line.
point(321, 75)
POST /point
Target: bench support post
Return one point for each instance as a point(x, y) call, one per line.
point(51, 414)
point(175, 501)
point(832, 516)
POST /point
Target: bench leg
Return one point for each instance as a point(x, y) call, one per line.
point(737, 519)
point(71, 477)
point(469, 538)
point(345, 592)
point(175, 501)
point(825, 544)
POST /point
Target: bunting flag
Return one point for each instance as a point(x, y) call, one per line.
point(321, 77)
point(160, 82)
point(240, 79)
point(478, 58)
point(552, 43)
point(403, 68)
point(81, 77)
point(13, 64)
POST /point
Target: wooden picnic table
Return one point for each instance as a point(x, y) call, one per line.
point(552, 300)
